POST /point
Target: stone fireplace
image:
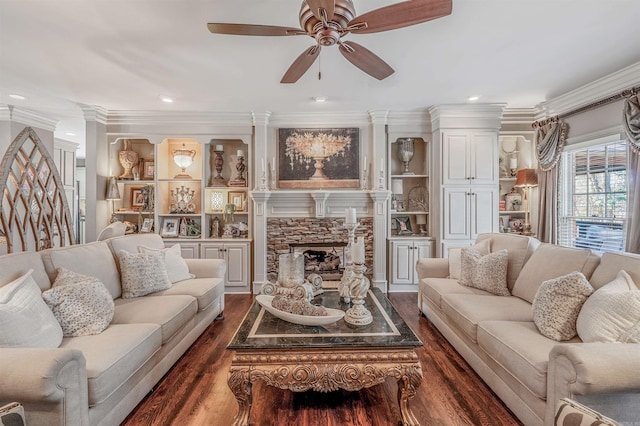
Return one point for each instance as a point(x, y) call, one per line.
point(323, 240)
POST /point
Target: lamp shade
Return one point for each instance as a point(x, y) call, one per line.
point(396, 186)
point(526, 178)
point(421, 219)
point(113, 193)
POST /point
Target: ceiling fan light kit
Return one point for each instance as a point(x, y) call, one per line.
point(328, 21)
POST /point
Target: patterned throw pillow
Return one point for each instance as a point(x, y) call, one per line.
point(82, 304)
point(12, 414)
point(177, 268)
point(557, 304)
point(25, 320)
point(488, 272)
point(612, 313)
point(572, 413)
point(142, 273)
point(455, 260)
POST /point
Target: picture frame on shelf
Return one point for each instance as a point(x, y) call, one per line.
point(403, 225)
point(238, 199)
point(137, 198)
point(147, 226)
point(148, 170)
point(170, 227)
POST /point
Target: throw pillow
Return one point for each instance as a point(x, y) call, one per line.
point(612, 313)
point(12, 414)
point(82, 304)
point(142, 273)
point(177, 268)
point(25, 320)
point(572, 413)
point(488, 272)
point(455, 260)
point(557, 304)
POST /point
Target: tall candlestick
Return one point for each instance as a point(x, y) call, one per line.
point(382, 164)
point(358, 251)
point(350, 215)
point(262, 163)
point(240, 153)
point(219, 148)
point(365, 163)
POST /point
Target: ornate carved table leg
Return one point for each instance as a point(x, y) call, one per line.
point(240, 385)
point(407, 384)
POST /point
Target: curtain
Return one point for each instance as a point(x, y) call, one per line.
point(550, 140)
point(631, 123)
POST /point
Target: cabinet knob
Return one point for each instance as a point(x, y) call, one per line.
point(473, 177)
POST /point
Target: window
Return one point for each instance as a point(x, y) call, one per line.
point(593, 196)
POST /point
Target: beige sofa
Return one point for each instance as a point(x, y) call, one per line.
point(497, 336)
point(99, 379)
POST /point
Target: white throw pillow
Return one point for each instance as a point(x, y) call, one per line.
point(142, 273)
point(82, 304)
point(25, 320)
point(612, 313)
point(488, 272)
point(177, 268)
point(455, 260)
point(557, 304)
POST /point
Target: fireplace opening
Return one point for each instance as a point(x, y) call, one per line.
point(325, 259)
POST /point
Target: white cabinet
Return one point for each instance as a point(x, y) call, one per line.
point(404, 255)
point(236, 254)
point(469, 157)
point(187, 250)
point(469, 211)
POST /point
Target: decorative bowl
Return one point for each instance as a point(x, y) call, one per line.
point(334, 314)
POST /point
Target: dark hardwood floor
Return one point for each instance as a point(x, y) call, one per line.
point(195, 391)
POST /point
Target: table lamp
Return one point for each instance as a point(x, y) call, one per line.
point(113, 194)
point(397, 191)
point(526, 179)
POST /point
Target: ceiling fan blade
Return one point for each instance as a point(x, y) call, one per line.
point(317, 5)
point(400, 15)
point(366, 60)
point(301, 65)
point(253, 30)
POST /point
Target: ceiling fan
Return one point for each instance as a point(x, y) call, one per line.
point(328, 21)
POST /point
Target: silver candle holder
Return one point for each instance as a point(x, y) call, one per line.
point(358, 314)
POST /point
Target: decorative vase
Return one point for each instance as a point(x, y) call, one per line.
point(128, 158)
point(291, 269)
point(405, 153)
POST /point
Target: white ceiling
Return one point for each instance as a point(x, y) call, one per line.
point(125, 54)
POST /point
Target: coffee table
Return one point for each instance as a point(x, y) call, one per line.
point(325, 358)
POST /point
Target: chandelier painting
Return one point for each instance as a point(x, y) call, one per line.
point(318, 158)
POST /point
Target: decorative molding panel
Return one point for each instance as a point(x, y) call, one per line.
point(27, 117)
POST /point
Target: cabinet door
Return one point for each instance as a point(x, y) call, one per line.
point(455, 213)
point(402, 266)
point(421, 250)
point(211, 251)
point(455, 157)
point(188, 250)
point(484, 211)
point(483, 158)
point(237, 257)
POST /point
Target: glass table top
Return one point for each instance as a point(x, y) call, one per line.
point(261, 330)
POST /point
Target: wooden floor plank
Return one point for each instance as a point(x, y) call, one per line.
point(195, 391)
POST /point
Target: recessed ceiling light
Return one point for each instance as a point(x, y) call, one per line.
point(473, 98)
point(70, 134)
point(166, 99)
point(16, 96)
point(320, 99)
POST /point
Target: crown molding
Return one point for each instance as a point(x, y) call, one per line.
point(94, 113)
point(323, 118)
point(518, 116)
point(124, 117)
point(465, 116)
point(599, 89)
point(27, 117)
point(261, 118)
point(418, 118)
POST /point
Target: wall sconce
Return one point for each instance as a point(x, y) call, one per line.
point(397, 202)
point(183, 158)
point(113, 194)
point(526, 179)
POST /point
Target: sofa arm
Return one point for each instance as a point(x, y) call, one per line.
point(432, 268)
point(207, 268)
point(592, 368)
point(49, 382)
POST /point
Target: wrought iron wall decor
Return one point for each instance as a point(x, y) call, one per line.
point(34, 213)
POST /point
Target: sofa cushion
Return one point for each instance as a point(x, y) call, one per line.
point(81, 304)
point(131, 242)
point(557, 304)
point(25, 319)
point(488, 272)
point(466, 311)
point(142, 273)
point(549, 261)
point(611, 263)
point(15, 265)
point(115, 355)
point(455, 257)
point(94, 259)
point(205, 290)
point(177, 268)
point(434, 288)
point(520, 348)
point(611, 313)
point(519, 247)
point(171, 313)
